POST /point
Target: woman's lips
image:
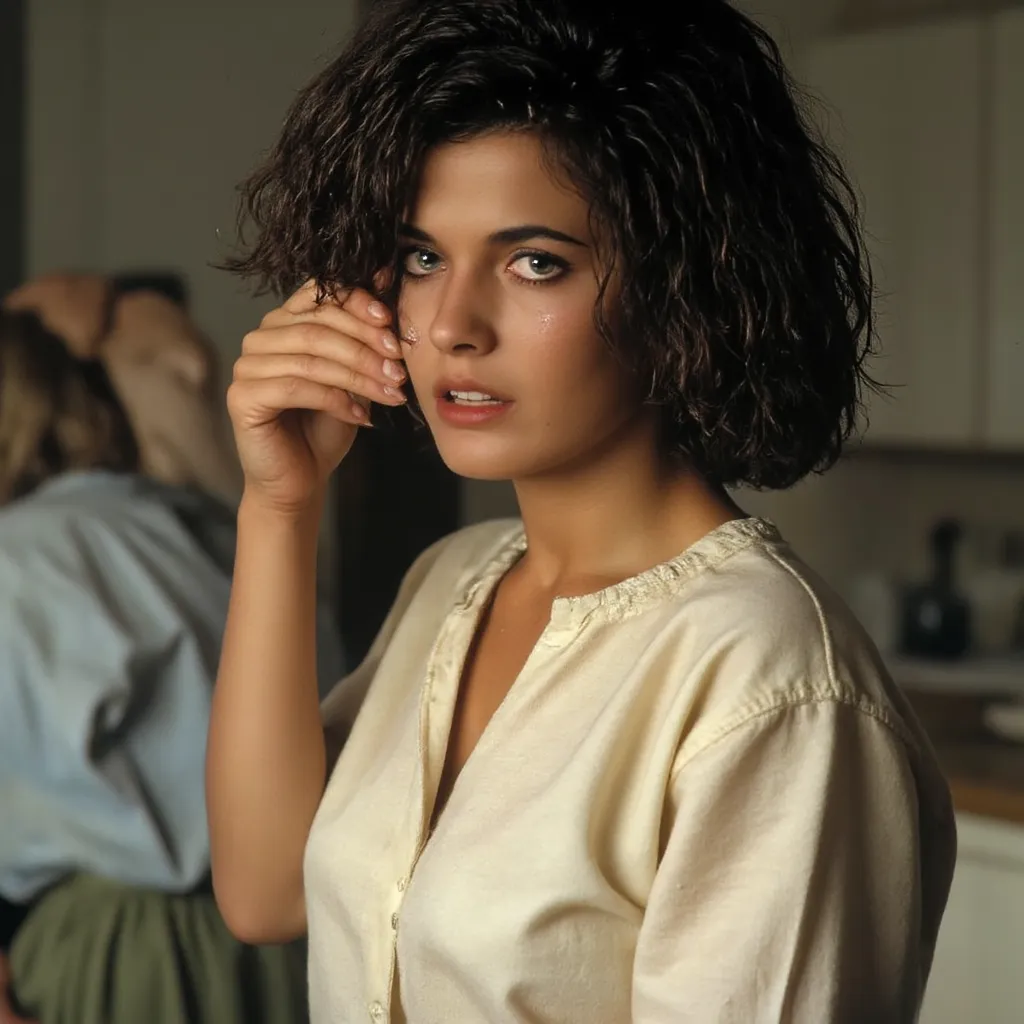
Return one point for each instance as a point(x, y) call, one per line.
point(470, 408)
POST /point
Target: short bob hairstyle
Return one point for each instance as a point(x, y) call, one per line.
point(746, 300)
point(57, 413)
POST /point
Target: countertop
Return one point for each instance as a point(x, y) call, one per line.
point(985, 778)
point(985, 773)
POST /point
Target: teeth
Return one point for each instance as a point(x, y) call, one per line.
point(472, 396)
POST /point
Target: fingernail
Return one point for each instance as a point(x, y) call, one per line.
point(394, 371)
point(359, 412)
point(390, 345)
point(394, 393)
point(377, 309)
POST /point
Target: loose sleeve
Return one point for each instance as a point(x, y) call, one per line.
point(790, 885)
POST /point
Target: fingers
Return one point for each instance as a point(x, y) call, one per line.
point(340, 348)
point(329, 345)
point(342, 322)
point(258, 401)
point(325, 353)
point(357, 302)
point(362, 304)
point(301, 301)
point(361, 374)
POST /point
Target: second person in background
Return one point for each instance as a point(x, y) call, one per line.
point(114, 590)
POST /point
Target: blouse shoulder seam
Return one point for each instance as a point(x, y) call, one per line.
point(866, 707)
point(823, 624)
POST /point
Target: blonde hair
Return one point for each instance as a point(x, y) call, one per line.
point(57, 413)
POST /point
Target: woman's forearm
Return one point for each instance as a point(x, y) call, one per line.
point(265, 765)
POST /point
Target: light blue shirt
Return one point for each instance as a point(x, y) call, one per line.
point(113, 598)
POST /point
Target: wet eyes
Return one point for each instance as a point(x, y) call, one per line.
point(419, 262)
point(529, 267)
point(538, 266)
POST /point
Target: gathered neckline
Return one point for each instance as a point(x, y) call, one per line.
point(635, 593)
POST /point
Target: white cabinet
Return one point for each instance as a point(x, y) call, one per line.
point(1004, 409)
point(904, 109)
point(978, 972)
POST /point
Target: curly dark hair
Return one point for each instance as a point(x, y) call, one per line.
point(746, 297)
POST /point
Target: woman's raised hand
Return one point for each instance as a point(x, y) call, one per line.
point(302, 388)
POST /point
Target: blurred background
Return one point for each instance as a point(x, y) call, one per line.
point(125, 127)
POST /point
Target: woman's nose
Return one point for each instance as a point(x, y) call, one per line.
point(463, 321)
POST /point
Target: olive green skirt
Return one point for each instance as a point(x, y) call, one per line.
point(95, 952)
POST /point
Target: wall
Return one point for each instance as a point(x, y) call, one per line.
point(794, 22)
point(143, 118)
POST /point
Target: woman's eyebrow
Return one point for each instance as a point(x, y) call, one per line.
point(506, 236)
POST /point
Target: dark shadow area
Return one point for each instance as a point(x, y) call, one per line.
point(12, 143)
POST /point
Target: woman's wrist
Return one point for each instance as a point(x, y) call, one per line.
point(256, 514)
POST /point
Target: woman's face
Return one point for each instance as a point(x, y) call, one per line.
point(499, 285)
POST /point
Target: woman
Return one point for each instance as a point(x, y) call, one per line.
point(113, 595)
point(626, 759)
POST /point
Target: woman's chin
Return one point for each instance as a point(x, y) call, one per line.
point(467, 458)
point(476, 469)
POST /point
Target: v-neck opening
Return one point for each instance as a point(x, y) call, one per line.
point(481, 605)
point(477, 588)
point(565, 617)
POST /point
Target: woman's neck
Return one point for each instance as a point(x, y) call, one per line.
point(614, 517)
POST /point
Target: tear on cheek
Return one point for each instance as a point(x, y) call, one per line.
point(407, 332)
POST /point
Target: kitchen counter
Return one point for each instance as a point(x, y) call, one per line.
point(985, 773)
point(986, 778)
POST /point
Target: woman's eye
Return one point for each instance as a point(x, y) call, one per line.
point(538, 266)
point(420, 262)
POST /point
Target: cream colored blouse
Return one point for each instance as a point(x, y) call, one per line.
point(701, 801)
